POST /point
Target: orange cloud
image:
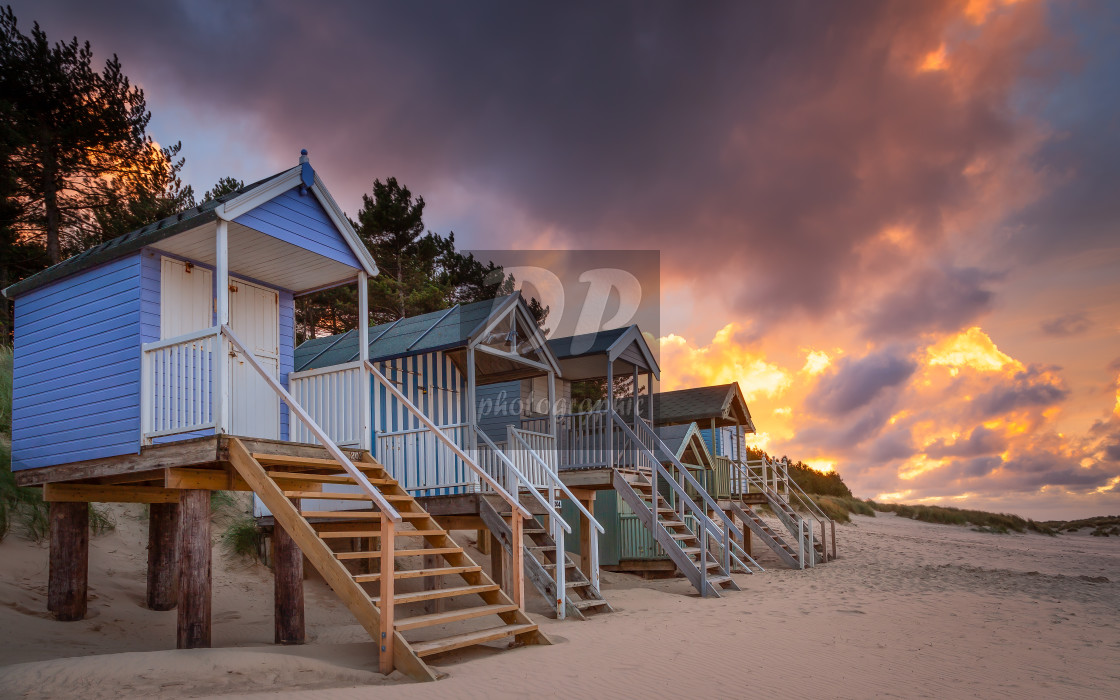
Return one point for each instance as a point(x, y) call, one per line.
point(935, 60)
point(971, 348)
point(723, 360)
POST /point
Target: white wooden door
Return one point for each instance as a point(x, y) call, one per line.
point(186, 292)
point(254, 316)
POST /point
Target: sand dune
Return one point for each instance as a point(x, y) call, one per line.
point(910, 610)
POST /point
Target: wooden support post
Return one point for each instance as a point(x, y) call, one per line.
point(68, 575)
point(287, 569)
point(388, 572)
point(194, 569)
point(498, 563)
point(163, 556)
point(483, 540)
point(431, 583)
point(586, 532)
point(516, 565)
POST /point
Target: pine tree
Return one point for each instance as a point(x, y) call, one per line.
point(75, 129)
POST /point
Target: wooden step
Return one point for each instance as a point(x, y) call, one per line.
point(682, 536)
point(269, 460)
point(585, 604)
point(355, 514)
point(421, 573)
point(398, 553)
point(672, 523)
point(328, 496)
point(568, 565)
point(451, 592)
point(440, 618)
point(438, 646)
point(367, 532)
point(715, 580)
point(576, 584)
point(326, 478)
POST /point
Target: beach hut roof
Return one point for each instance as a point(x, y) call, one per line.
point(679, 438)
point(724, 403)
point(626, 344)
point(447, 329)
point(222, 207)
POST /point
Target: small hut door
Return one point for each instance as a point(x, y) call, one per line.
point(254, 316)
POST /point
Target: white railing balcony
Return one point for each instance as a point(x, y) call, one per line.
point(534, 467)
point(333, 397)
point(177, 384)
point(422, 461)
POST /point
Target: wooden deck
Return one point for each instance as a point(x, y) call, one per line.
point(173, 465)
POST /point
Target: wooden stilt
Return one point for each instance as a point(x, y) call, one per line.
point(483, 541)
point(194, 569)
point(68, 575)
point(432, 583)
point(163, 556)
point(287, 564)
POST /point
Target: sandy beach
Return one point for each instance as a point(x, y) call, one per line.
point(909, 610)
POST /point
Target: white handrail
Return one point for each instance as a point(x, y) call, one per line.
point(383, 505)
point(563, 487)
point(689, 479)
point(522, 478)
point(185, 338)
point(815, 512)
point(514, 503)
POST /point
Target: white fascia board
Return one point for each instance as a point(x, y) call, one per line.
point(634, 334)
point(343, 225)
point(258, 196)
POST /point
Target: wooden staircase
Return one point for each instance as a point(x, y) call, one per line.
point(769, 537)
point(674, 536)
point(580, 596)
point(286, 484)
point(790, 518)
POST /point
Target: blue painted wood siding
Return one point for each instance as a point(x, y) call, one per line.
point(76, 374)
point(432, 382)
point(500, 405)
point(302, 221)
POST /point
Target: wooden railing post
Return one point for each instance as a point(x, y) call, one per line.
point(388, 570)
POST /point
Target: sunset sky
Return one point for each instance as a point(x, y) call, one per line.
point(895, 224)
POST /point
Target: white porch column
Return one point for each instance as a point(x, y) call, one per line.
point(637, 416)
point(222, 359)
point(552, 404)
point(365, 438)
point(472, 405)
point(610, 413)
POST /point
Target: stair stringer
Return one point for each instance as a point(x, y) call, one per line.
point(748, 516)
point(332, 569)
point(460, 558)
point(661, 535)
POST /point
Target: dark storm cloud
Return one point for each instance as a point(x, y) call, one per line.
point(936, 299)
point(855, 383)
point(1067, 325)
point(1035, 387)
point(783, 135)
point(981, 441)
